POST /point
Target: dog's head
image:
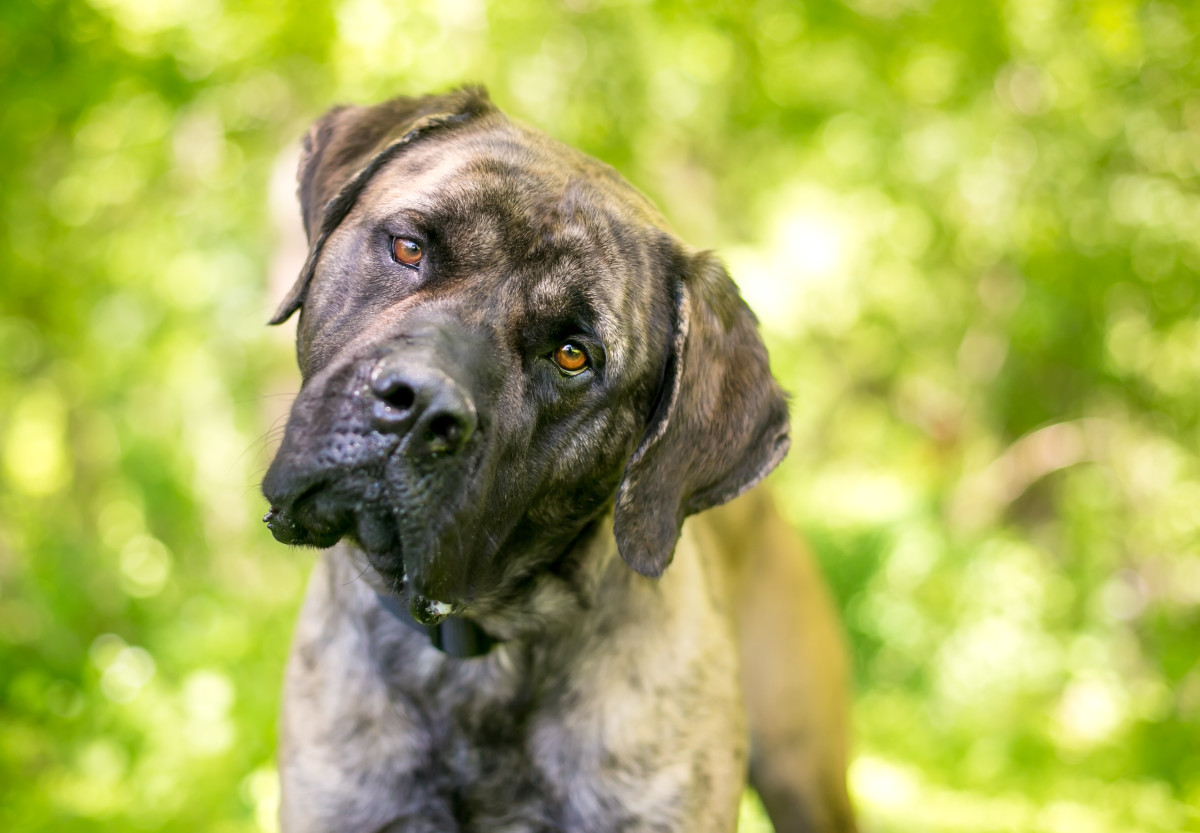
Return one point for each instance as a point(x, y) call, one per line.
point(500, 340)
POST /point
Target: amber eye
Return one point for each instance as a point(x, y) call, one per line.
point(405, 251)
point(571, 359)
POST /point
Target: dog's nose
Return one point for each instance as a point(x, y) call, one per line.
point(423, 403)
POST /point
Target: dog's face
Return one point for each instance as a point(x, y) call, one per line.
point(499, 338)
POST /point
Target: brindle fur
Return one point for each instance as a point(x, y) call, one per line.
point(617, 700)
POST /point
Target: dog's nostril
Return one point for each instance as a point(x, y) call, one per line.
point(447, 432)
point(396, 393)
point(401, 398)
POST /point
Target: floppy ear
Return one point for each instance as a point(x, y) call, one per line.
point(343, 150)
point(720, 426)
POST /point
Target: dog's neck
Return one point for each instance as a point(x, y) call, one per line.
point(553, 597)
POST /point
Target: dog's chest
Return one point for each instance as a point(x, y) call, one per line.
point(475, 721)
point(589, 747)
point(633, 722)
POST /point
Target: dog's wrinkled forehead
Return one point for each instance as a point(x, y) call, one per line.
point(528, 222)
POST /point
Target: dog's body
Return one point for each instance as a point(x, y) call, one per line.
point(517, 404)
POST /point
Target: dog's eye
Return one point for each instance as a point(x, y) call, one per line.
point(571, 359)
point(406, 252)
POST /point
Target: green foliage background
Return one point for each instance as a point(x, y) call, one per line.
point(971, 230)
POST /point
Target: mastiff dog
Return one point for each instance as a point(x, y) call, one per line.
point(520, 392)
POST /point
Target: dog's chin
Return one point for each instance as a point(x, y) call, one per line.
point(392, 539)
point(376, 534)
point(389, 576)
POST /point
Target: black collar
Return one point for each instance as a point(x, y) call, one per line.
point(454, 636)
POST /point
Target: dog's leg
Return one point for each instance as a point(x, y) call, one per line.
point(793, 670)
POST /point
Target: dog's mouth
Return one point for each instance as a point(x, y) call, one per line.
point(360, 510)
point(323, 526)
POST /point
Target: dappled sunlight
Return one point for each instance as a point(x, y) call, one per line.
point(972, 239)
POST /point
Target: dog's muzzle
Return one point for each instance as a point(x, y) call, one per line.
point(376, 448)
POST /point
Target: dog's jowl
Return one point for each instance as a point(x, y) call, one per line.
point(521, 394)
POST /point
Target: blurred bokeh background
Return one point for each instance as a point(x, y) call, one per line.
point(971, 230)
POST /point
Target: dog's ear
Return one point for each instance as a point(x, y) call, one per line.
point(720, 425)
point(344, 149)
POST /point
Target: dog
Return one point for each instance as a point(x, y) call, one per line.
point(517, 385)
